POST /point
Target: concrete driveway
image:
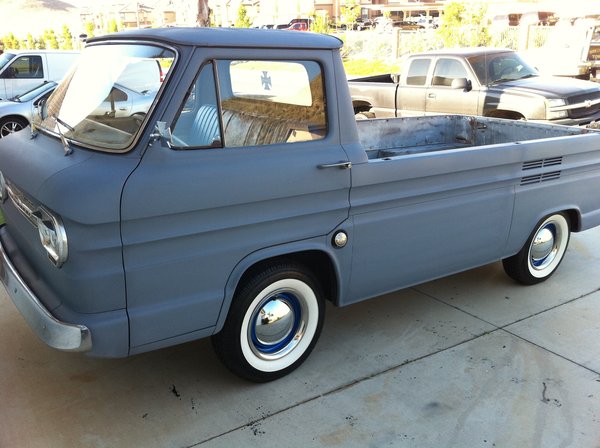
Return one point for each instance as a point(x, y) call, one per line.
point(472, 360)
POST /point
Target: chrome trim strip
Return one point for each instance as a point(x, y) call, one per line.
point(50, 227)
point(581, 105)
point(24, 205)
point(57, 334)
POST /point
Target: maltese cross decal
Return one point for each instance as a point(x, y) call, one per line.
point(266, 81)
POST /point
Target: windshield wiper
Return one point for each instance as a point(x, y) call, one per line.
point(530, 75)
point(65, 143)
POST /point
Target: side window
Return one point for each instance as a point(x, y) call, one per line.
point(28, 67)
point(447, 70)
point(270, 102)
point(198, 125)
point(417, 72)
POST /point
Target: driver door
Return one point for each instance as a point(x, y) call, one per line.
point(442, 97)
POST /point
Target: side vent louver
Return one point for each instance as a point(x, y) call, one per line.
point(536, 179)
point(543, 177)
point(533, 164)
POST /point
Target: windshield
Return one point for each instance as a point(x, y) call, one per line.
point(103, 102)
point(33, 93)
point(5, 59)
point(500, 67)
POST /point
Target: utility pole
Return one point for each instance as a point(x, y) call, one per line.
point(203, 18)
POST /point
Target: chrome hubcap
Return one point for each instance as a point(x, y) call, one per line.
point(544, 247)
point(277, 325)
point(9, 128)
point(274, 322)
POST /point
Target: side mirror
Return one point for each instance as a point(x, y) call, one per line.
point(395, 78)
point(162, 131)
point(461, 84)
point(10, 73)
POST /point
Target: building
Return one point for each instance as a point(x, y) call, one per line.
point(270, 12)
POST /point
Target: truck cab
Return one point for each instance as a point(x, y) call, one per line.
point(476, 81)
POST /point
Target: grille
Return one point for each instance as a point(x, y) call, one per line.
point(583, 111)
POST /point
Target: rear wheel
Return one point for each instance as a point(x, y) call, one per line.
point(539, 258)
point(273, 324)
point(9, 125)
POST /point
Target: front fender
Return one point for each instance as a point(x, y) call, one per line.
point(340, 260)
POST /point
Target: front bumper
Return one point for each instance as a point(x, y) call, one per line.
point(57, 334)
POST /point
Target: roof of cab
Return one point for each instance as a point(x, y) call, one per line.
point(465, 52)
point(228, 37)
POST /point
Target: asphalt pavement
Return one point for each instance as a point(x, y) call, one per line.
point(471, 360)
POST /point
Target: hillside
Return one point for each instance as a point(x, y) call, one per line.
point(34, 16)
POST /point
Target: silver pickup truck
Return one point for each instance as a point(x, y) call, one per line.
point(487, 82)
point(246, 195)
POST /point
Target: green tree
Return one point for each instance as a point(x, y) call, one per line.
point(112, 26)
point(242, 20)
point(463, 24)
point(51, 40)
point(31, 42)
point(67, 43)
point(350, 11)
point(319, 23)
point(89, 29)
point(40, 43)
point(10, 42)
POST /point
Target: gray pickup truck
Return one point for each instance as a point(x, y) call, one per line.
point(246, 195)
point(487, 82)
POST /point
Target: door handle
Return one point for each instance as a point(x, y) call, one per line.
point(342, 165)
point(431, 95)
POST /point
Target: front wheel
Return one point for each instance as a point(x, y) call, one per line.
point(273, 324)
point(11, 124)
point(542, 253)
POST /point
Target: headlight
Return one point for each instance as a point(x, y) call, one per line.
point(50, 227)
point(53, 236)
point(554, 109)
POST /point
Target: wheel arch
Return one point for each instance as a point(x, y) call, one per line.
point(15, 117)
point(361, 106)
point(315, 257)
point(507, 114)
point(572, 212)
point(574, 216)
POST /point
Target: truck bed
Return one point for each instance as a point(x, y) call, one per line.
point(386, 138)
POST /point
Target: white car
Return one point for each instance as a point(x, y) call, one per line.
point(16, 113)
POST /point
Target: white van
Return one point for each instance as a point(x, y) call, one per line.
point(21, 71)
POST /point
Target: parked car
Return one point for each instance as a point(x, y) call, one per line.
point(124, 102)
point(298, 26)
point(477, 81)
point(250, 196)
point(16, 113)
point(359, 24)
point(385, 24)
point(21, 71)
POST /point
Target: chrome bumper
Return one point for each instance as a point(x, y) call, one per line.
point(57, 334)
